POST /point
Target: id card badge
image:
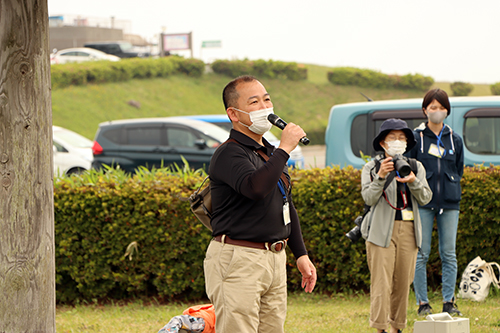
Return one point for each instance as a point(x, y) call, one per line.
point(434, 150)
point(286, 213)
point(407, 215)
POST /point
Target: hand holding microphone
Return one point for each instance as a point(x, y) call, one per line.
point(281, 124)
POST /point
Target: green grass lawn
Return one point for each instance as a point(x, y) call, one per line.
point(306, 314)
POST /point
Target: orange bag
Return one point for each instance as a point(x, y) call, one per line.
point(205, 311)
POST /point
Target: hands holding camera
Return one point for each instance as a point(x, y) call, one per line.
point(387, 165)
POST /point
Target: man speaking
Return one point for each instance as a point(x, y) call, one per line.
point(253, 218)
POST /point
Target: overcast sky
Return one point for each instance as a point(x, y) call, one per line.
point(448, 40)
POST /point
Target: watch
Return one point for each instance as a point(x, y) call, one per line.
point(377, 177)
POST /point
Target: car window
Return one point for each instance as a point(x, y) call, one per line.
point(211, 142)
point(365, 127)
point(82, 54)
point(115, 135)
point(482, 131)
point(125, 46)
point(113, 48)
point(144, 136)
point(69, 54)
point(59, 147)
point(180, 137)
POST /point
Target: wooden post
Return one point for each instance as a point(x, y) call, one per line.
point(27, 261)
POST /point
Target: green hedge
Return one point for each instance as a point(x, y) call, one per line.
point(97, 216)
point(461, 88)
point(260, 68)
point(135, 68)
point(495, 88)
point(350, 76)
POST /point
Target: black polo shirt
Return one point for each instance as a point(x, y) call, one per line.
point(247, 203)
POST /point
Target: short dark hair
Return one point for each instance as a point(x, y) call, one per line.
point(230, 94)
point(439, 95)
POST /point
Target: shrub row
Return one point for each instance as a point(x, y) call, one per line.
point(461, 88)
point(495, 88)
point(99, 216)
point(261, 69)
point(135, 68)
point(349, 76)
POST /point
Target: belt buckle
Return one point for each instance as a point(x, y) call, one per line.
point(275, 244)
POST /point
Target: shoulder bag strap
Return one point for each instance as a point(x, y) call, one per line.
point(266, 158)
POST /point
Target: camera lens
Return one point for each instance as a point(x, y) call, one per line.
point(354, 234)
point(401, 166)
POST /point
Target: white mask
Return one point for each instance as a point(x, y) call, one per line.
point(437, 117)
point(260, 124)
point(395, 147)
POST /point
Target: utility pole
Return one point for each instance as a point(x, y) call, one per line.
point(27, 259)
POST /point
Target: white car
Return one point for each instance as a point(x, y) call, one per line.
point(72, 152)
point(80, 54)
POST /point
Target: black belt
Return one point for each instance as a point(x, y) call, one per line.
point(273, 247)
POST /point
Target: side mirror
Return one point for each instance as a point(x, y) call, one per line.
point(200, 143)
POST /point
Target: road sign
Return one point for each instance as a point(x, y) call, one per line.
point(211, 43)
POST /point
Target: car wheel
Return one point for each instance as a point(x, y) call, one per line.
point(75, 171)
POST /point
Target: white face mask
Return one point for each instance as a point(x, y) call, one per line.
point(260, 124)
point(395, 147)
point(437, 117)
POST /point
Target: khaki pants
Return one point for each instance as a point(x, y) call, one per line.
point(392, 270)
point(247, 287)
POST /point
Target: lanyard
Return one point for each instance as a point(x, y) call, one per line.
point(282, 190)
point(441, 142)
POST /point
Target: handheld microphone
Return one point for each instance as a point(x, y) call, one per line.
point(281, 124)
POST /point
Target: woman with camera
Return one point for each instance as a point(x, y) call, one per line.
point(392, 226)
point(441, 152)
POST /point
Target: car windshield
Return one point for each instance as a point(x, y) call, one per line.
point(270, 137)
point(126, 46)
point(73, 138)
point(213, 131)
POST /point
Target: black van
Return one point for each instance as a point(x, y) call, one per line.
point(153, 142)
point(119, 49)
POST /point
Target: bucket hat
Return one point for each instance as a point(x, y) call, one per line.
point(391, 125)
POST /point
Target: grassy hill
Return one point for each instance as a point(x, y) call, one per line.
point(307, 103)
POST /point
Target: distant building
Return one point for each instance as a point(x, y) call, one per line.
point(67, 31)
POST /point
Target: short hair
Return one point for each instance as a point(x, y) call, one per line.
point(439, 95)
point(230, 94)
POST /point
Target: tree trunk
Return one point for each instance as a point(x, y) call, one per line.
point(27, 264)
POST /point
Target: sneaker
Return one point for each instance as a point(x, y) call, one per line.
point(451, 308)
point(424, 309)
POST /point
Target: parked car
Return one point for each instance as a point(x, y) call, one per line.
point(296, 159)
point(153, 142)
point(119, 49)
point(79, 54)
point(72, 152)
point(352, 127)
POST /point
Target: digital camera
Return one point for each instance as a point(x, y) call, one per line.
point(401, 165)
point(355, 233)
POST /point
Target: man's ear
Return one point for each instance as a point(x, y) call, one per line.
point(231, 113)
